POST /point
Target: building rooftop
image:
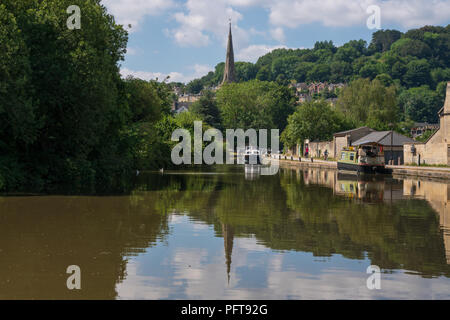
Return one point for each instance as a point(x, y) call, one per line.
point(344, 133)
point(383, 138)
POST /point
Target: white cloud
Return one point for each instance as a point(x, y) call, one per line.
point(253, 52)
point(408, 13)
point(278, 34)
point(198, 71)
point(204, 19)
point(134, 11)
point(415, 13)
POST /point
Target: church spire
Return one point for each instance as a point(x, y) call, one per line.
point(228, 235)
point(228, 74)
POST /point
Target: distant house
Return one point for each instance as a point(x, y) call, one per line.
point(317, 87)
point(189, 98)
point(391, 142)
point(421, 127)
point(304, 92)
point(436, 150)
point(177, 90)
point(182, 109)
point(332, 87)
point(303, 97)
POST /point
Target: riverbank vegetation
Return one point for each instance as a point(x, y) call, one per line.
point(68, 119)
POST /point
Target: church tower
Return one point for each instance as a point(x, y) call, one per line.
point(228, 73)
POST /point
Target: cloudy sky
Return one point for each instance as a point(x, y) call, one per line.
point(186, 38)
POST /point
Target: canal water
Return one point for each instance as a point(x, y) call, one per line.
point(221, 233)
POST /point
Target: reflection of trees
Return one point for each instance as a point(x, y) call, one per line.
point(403, 234)
point(41, 236)
point(283, 214)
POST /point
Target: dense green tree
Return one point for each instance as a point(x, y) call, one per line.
point(369, 70)
point(439, 75)
point(383, 39)
point(284, 66)
point(411, 47)
point(18, 121)
point(417, 73)
point(327, 45)
point(319, 72)
point(385, 79)
point(316, 121)
point(75, 91)
point(67, 118)
point(254, 104)
point(369, 103)
point(340, 71)
point(421, 104)
point(144, 101)
point(245, 71)
point(263, 74)
point(206, 108)
point(195, 86)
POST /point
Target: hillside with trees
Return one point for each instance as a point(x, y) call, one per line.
point(412, 59)
point(417, 63)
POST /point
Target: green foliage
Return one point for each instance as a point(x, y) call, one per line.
point(254, 104)
point(421, 104)
point(206, 107)
point(144, 100)
point(369, 103)
point(195, 86)
point(417, 73)
point(383, 39)
point(411, 47)
point(66, 117)
point(425, 136)
point(418, 57)
point(186, 120)
point(315, 120)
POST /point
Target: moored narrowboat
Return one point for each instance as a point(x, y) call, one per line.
point(364, 159)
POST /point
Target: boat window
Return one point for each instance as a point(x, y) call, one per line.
point(352, 156)
point(343, 156)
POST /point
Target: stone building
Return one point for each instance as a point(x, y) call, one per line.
point(438, 195)
point(190, 98)
point(436, 150)
point(391, 142)
point(340, 140)
point(345, 138)
point(317, 148)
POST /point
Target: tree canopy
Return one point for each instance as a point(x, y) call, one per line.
point(315, 120)
point(369, 103)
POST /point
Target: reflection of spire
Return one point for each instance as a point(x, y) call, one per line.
point(228, 73)
point(228, 235)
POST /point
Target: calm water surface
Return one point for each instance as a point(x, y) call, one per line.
point(224, 234)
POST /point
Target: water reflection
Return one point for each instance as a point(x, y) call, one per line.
point(231, 234)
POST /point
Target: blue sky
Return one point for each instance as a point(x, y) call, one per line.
point(186, 38)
